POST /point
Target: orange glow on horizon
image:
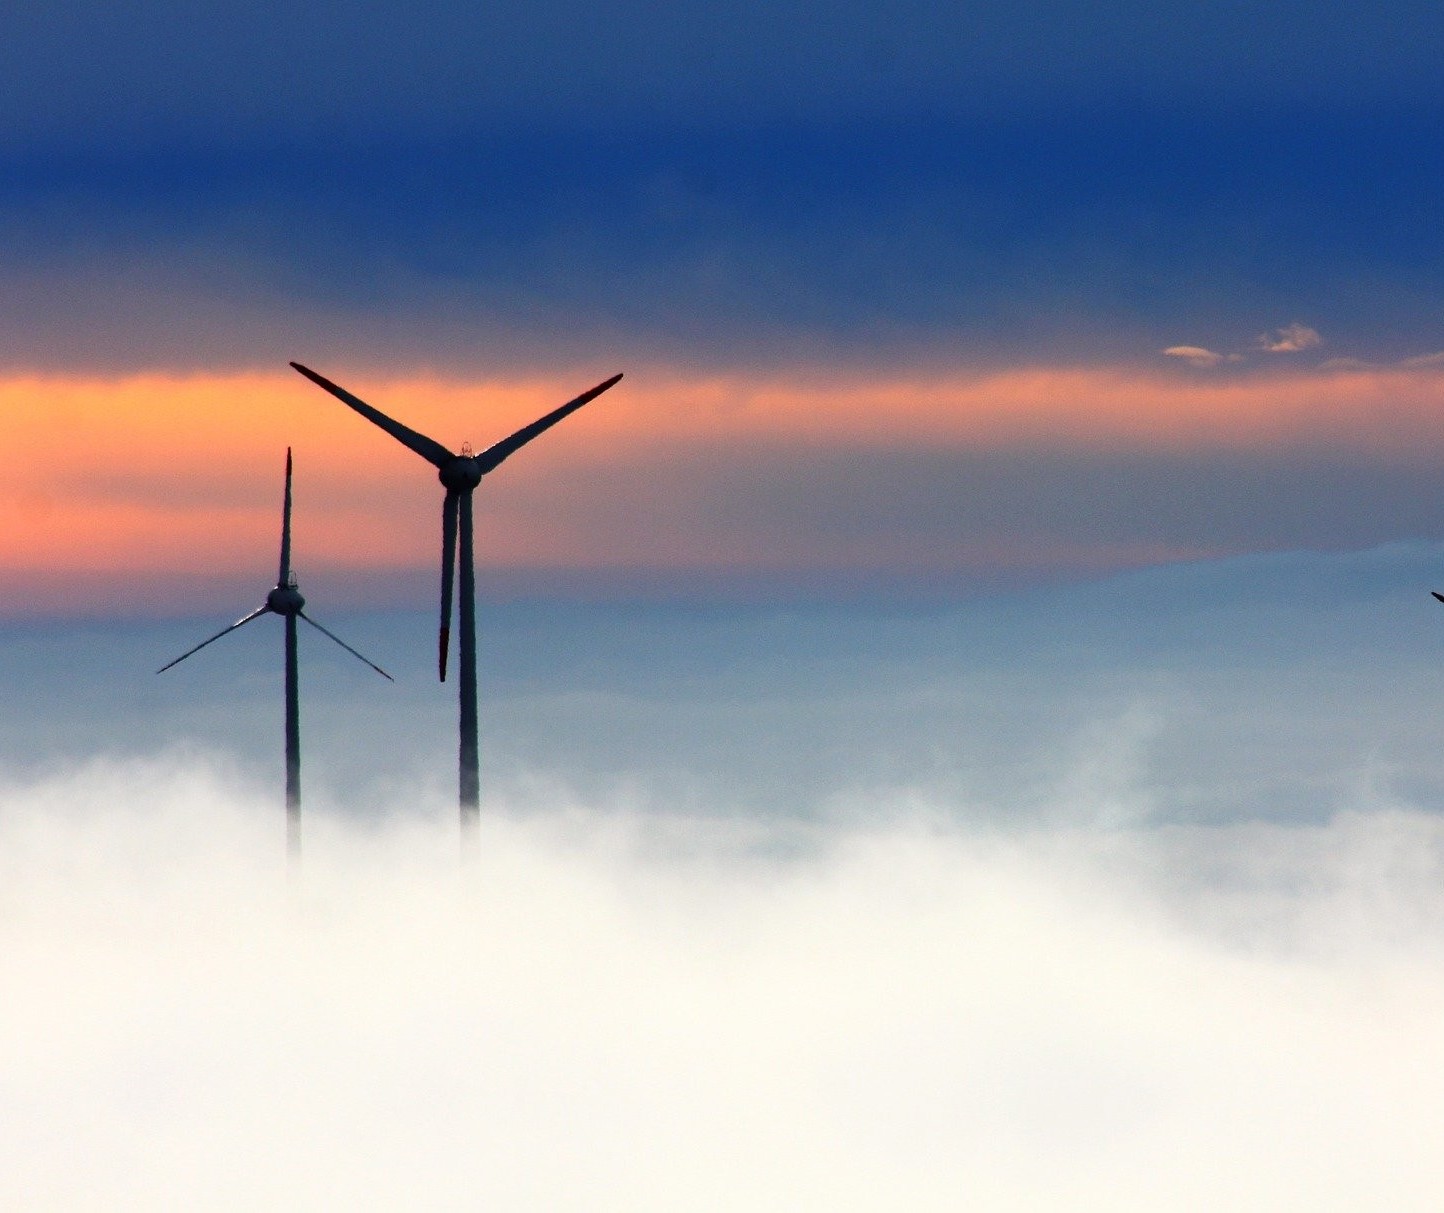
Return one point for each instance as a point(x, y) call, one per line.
point(178, 475)
point(150, 422)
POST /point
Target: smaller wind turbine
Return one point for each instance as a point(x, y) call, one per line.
point(286, 601)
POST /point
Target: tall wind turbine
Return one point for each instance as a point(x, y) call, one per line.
point(460, 474)
point(286, 601)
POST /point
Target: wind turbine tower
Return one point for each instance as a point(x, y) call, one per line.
point(286, 601)
point(459, 475)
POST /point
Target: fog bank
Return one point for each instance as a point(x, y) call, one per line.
point(651, 1011)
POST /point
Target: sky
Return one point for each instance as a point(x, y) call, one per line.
point(908, 300)
point(956, 718)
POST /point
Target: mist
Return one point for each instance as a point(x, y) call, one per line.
point(1116, 896)
point(619, 1010)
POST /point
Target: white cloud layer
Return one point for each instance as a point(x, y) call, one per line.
point(644, 1012)
point(1127, 896)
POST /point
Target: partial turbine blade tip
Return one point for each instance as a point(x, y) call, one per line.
point(332, 635)
point(428, 448)
point(449, 511)
point(263, 609)
point(1437, 595)
point(491, 458)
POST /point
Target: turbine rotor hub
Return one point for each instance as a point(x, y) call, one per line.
point(461, 474)
point(285, 600)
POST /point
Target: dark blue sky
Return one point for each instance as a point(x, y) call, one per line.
point(774, 183)
point(117, 74)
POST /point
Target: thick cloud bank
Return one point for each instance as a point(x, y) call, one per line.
point(1122, 896)
point(635, 1012)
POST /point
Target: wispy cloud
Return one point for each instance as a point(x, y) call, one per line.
point(1196, 355)
point(1298, 339)
point(1419, 362)
point(1291, 339)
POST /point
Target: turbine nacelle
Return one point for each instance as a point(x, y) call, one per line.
point(460, 474)
point(285, 600)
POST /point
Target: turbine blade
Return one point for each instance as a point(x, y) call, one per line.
point(448, 575)
point(1437, 595)
point(493, 455)
point(260, 610)
point(345, 646)
point(429, 449)
point(284, 577)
